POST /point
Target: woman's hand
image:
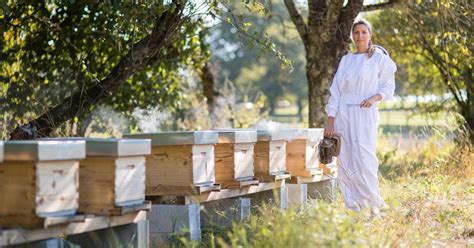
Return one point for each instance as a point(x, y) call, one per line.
point(329, 127)
point(369, 102)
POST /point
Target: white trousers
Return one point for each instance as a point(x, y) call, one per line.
point(358, 164)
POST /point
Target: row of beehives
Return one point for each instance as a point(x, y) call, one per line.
point(54, 178)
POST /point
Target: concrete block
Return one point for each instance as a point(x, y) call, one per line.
point(277, 197)
point(297, 194)
point(325, 190)
point(167, 221)
point(225, 211)
point(130, 235)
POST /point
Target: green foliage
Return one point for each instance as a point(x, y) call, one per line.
point(252, 63)
point(432, 43)
point(53, 48)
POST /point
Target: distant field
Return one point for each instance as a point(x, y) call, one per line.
point(387, 117)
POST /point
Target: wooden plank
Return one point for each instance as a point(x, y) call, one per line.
point(314, 177)
point(239, 184)
point(261, 153)
point(17, 195)
point(169, 166)
point(224, 163)
point(18, 236)
point(295, 157)
point(230, 193)
point(162, 190)
point(96, 185)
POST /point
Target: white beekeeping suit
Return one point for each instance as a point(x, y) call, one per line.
point(359, 77)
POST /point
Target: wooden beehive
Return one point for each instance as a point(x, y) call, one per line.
point(270, 155)
point(39, 180)
point(181, 163)
point(234, 158)
point(302, 155)
point(112, 177)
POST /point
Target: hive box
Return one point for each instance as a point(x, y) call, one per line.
point(270, 154)
point(181, 163)
point(302, 155)
point(39, 179)
point(234, 158)
point(112, 177)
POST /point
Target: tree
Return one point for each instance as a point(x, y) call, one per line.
point(325, 36)
point(62, 59)
point(433, 41)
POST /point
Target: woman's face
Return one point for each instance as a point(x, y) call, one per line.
point(361, 35)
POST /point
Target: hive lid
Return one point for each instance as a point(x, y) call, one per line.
point(1, 151)
point(281, 134)
point(311, 134)
point(237, 136)
point(44, 150)
point(178, 138)
point(113, 147)
point(118, 147)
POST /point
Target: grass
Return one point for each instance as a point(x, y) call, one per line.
point(387, 117)
point(429, 189)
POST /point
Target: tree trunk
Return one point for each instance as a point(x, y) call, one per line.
point(300, 105)
point(151, 49)
point(208, 81)
point(325, 36)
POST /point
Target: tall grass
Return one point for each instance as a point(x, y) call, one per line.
point(429, 189)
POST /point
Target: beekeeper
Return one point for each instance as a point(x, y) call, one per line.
point(363, 79)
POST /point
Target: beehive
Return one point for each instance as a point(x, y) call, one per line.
point(302, 155)
point(181, 163)
point(39, 179)
point(234, 158)
point(270, 154)
point(112, 177)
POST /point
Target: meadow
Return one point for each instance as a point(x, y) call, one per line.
point(428, 186)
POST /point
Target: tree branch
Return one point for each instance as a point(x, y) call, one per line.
point(379, 6)
point(297, 20)
point(153, 47)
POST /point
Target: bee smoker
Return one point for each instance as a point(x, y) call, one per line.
point(329, 147)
